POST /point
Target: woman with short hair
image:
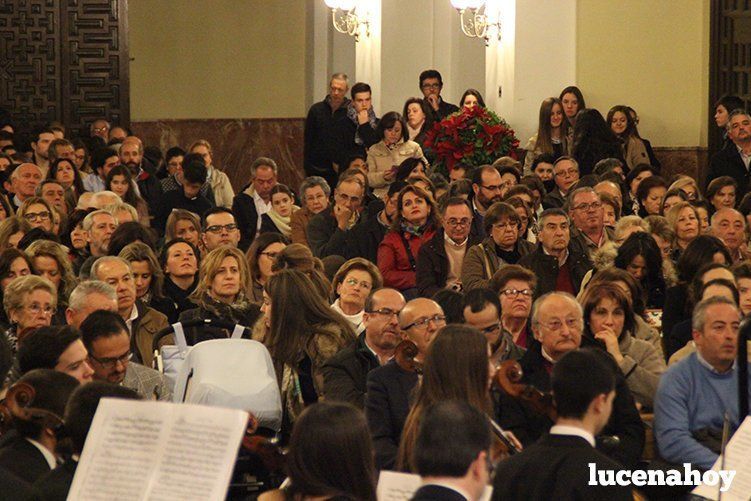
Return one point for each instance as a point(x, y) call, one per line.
point(393, 148)
point(179, 262)
point(29, 302)
point(50, 260)
point(722, 193)
point(314, 195)
point(351, 286)
point(419, 119)
point(183, 224)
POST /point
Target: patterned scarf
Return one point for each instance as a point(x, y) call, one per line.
point(352, 114)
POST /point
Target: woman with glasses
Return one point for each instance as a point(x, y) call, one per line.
point(415, 223)
point(37, 212)
point(222, 294)
point(29, 302)
point(394, 147)
point(515, 286)
point(303, 333)
point(50, 260)
point(351, 286)
point(179, 262)
point(503, 245)
point(610, 324)
point(261, 257)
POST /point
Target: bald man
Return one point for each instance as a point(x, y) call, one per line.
point(389, 387)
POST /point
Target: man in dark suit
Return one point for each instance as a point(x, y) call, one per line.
point(345, 374)
point(733, 160)
point(29, 452)
point(558, 465)
point(388, 398)
point(79, 415)
point(557, 325)
point(453, 466)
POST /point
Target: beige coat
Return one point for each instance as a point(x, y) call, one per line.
point(642, 365)
point(381, 159)
point(222, 188)
point(635, 152)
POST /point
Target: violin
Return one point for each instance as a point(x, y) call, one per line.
point(17, 406)
point(509, 376)
point(404, 355)
point(267, 449)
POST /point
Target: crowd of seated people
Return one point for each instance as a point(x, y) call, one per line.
point(581, 256)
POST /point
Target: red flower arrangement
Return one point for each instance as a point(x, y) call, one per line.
point(468, 138)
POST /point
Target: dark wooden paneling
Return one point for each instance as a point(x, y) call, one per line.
point(64, 60)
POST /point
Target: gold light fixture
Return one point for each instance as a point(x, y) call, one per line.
point(346, 18)
point(475, 21)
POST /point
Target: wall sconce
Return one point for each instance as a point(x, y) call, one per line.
point(475, 21)
point(346, 20)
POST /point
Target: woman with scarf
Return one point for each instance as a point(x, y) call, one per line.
point(278, 219)
point(415, 223)
point(222, 294)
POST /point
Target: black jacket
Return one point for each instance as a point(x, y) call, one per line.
point(387, 404)
point(179, 298)
point(345, 374)
point(244, 316)
point(325, 237)
point(556, 467)
point(444, 109)
point(728, 162)
point(13, 488)
point(176, 199)
point(553, 200)
point(327, 140)
point(436, 493)
point(150, 188)
point(529, 425)
point(366, 236)
point(545, 267)
point(19, 457)
point(246, 217)
point(433, 264)
point(55, 485)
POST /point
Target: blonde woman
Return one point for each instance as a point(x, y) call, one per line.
point(51, 261)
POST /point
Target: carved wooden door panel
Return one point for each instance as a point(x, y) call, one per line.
point(64, 60)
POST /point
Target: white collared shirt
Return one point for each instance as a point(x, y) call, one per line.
point(746, 158)
point(48, 456)
point(560, 429)
point(131, 319)
point(262, 207)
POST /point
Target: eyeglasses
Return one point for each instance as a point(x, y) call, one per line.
point(586, 207)
point(498, 188)
point(567, 173)
point(36, 309)
point(270, 255)
point(34, 216)
point(387, 312)
point(217, 228)
point(423, 322)
point(517, 292)
point(353, 281)
point(556, 325)
point(465, 221)
point(111, 363)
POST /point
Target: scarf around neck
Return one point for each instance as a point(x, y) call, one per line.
point(281, 222)
point(352, 114)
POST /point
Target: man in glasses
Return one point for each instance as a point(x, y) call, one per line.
point(387, 400)
point(565, 175)
point(487, 187)
point(557, 324)
point(588, 216)
point(219, 228)
point(345, 374)
point(105, 336)
point(431, 85)
point(439, 262)
point(329, 231)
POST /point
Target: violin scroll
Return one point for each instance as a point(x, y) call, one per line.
point(405, 353)
point(509, 377)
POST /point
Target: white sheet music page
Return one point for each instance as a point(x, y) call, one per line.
point(398, 486)
point(737, 454)
point(158, 451)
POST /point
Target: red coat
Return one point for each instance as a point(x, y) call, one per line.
point(393, 260)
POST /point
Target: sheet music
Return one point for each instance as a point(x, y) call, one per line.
point(397, 486)
point(142, 450)
point(737, 453)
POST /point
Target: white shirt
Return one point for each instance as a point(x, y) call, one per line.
point(746, 158)
point(129, 321)
point(48, 456)
point(262, 207)
point(560, 429)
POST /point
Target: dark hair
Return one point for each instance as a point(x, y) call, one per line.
point(35, 234)
point(478, 299)
point(698, 252)
point(425, 111)
point(8, 256)
point(358, 88)
point(511, 272)
point(607, 165)
point(593, 140)
point(430, 74)
point(388, 121)
point(195, 172)
point(82, 406)
point(598, 291)
point(613, 274)
point(636, 171)
point(496, 212)
point(407, 166)
point(259, 245)
point(630, 123)
point(75, 218)
point(130, 232)
point(441, 455)
point(102, 323)
point(77, 180)
point(642, 244)
point(742, 270)
point(51, 392)
point(212, 211)
point(100, 156)
point(472, 92)
point(642, 192)
point(168, 245)
point(42, 348)
point(724, 283)
point(573, 393)
point(331, 454)
point(122, 170)
point(716, 185)
point(534, 183)
point(572, 89)
point(452, 303)
point(175, 151)
point(730, 103)
point(675, 192)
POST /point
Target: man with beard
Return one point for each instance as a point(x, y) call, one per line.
point(487, 187)
point(565, 175)
point(346, 373)
point(131, 155)
point(41, 144)
point(558, 262)
point(588, 215)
